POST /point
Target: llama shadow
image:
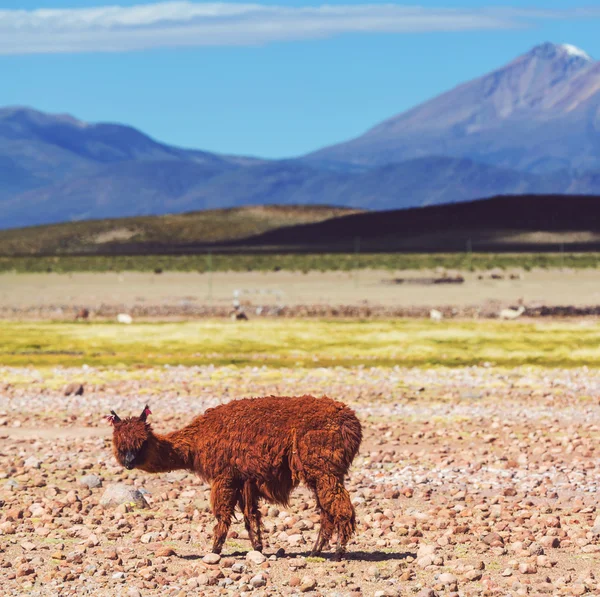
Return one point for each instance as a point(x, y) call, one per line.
point(360, 556)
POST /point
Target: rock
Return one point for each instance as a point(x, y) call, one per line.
point(493, 540)
point(295, 539)
point(119, 493)
point(526, 568)
point(33, 462)
point(447, 579)
point(7, 528)
point(164, 552)
point(73, 389)
point(133, 592)
point(547, 542)
point(308, 583)
point(25, 570)
point(149, 537)
point(90, 481)
point(258, 581)
point(426, 550)
point(255, 557)
point(211, 558)
point(473, 575)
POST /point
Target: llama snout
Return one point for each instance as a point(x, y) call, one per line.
point(128, 460)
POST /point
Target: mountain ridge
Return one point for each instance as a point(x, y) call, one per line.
point(530, 126)
point(488, 119)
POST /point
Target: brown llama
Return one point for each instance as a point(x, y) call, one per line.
point(257, 448)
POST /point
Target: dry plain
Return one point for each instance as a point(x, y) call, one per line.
point(471, 480)
point(54, 295)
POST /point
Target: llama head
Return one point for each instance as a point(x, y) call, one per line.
point(130, 438)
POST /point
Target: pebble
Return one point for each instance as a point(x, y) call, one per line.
point(255, 557)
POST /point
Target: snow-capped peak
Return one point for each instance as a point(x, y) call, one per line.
point(575, 51)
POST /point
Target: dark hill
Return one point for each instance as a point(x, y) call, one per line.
point(528, 222)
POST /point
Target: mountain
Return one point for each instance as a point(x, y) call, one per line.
point(530, 127)
point(40, 149)
point(128, 189)
point(539, 113)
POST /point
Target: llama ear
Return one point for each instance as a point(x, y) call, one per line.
point(113, 418)
point(145, 413)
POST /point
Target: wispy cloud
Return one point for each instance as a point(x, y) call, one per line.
point(178, 24)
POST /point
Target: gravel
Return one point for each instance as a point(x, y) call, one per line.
point(471, 481)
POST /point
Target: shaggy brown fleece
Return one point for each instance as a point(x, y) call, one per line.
point(257, 448)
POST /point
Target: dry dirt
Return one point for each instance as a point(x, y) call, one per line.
point(470, 481)
point(177, 291)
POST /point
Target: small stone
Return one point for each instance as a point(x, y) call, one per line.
point(258, 581)
point(255, 557)
point(91, 481)
point(493, 540)
point(133, 592)
point(164, 552)
point(308, 583)
point(211, 558)
point(25, 570)
point(33, 462)
point(28, 545)
point(447, 579)
point(7, 528)
point(526, 568)
point(73, 389)
point(473, 575)
point(117, 494)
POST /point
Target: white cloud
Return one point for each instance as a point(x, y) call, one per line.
point(178, 24)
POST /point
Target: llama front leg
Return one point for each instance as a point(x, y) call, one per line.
point(223, 497)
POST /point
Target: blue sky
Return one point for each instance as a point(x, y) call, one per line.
point(272, 79)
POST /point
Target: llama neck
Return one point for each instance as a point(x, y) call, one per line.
point(165, 453)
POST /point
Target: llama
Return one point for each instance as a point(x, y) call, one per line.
point(82, 314)
point(436, 315)
point(257, 448)
point(511, 313)
point(124, 318)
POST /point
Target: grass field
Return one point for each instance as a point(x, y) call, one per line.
point(298, 262)
point(314, 343)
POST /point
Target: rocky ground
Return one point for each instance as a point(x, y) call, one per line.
point(472, 481)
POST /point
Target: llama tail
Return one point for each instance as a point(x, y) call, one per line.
point(351, 431)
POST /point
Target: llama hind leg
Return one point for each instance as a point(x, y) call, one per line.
point(335, 501)
point(223, 497)
point(248, 502)
point(326, 529)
